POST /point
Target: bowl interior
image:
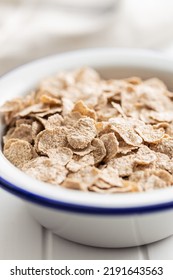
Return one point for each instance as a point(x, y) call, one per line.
point(110, 64)
point(145, 73)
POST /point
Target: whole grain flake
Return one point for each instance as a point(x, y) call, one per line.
point(81, 132)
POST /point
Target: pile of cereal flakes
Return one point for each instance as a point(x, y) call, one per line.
point(82, 132)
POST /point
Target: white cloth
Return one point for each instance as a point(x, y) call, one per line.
point(34, 28)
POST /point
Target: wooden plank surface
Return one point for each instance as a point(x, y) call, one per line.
point(63, 249)
point(161, 250)
point(21, 237)
point(20, 234)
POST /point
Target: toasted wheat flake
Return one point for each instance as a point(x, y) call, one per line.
point(50, 139)
point(8, 143)
point(87, 74)
point(41, 121)
point(154, 98)
point(71, 119)
point(51, 84)
point(164, 125)
point(134, 80)
point(24, 121)
point(8, 134)
point(18, 151)
point(169, 129)
point(145, 116)
point(71, 183)
point(124, 165)
point(164, 175)
point(82, 133)
point(99, 150)
point(165, 146)
point(90, 96)
point(84, 110)
point(154, 182)
point(11, 109)
point(99, 126)
point(77, 162)
point(9, 118)
point(162, 116)
point(46, 170)
point(37, 108)
point(101, 102)
point(72, 93)
point(169, 94)
point(124, 148)
point(53, 121)
point(82, 152)
point(119, 109)
point(149, 134)
point(12, 106)
point(43, 93)
point(150, 179)
point(37, 127)
point(110, 176)
point(145, 156)
point(106, 113)
point(23, 132)
point(48, 112)
point(61, 155)
point(67, 106)
point(128, 99)
point(47, 99)
point(164, 162)
point(102, 184)
point(130, 187)
point(156, 83)
point(74, 165)
point(87, 176)
point(111, 145)
point(126, 131)
point(105, 128)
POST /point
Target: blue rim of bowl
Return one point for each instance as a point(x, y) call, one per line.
point(77, 208)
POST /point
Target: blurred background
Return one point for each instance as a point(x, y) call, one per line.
point(31, 29)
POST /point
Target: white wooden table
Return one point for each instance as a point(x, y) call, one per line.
point(21, 237)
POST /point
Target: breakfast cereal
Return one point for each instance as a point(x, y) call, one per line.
point(79, 131)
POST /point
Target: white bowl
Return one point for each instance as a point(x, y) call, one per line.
point(98, 220)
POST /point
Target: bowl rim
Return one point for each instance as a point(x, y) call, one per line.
point(79, 208)
point(22, 185)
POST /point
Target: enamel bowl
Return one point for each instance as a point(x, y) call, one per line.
point(115, 220)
